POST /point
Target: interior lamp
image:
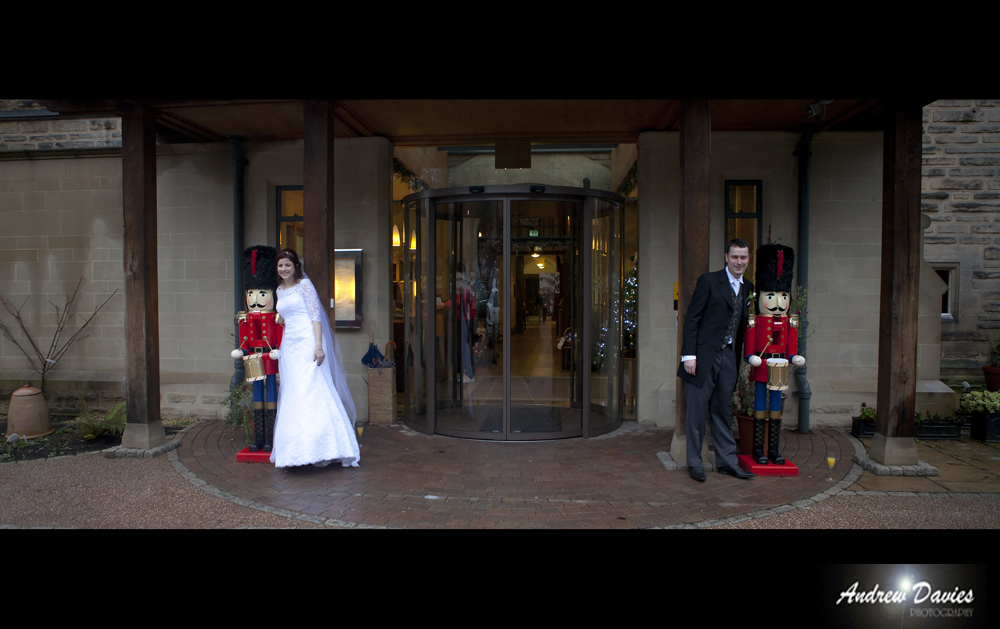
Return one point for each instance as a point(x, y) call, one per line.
point(413, 240)
point(395, 236)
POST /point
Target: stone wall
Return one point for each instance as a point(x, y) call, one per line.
point(961, 194)
point(62, 220)
point(51, 133)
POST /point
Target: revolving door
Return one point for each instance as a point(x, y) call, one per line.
point(512, 312)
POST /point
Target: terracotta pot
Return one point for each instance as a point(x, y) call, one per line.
point(745, 425)
point(992, 377)
point(28, 415)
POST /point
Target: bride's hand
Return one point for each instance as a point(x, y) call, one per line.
point(318, 357)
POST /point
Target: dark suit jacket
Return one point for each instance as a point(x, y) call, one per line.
point(707, 322)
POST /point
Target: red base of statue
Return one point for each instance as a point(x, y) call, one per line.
point(747, 463)
point(246, 456)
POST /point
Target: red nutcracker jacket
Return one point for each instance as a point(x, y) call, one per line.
point(776, 337)
point(259, 332)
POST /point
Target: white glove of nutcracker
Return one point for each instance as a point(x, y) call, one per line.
point(273, 354)
point(754, 361)
point(798, 361)
point(236, 353)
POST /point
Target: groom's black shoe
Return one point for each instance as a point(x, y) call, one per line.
point(697, 473)
point(738, 472)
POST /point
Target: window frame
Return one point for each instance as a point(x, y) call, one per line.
point(758, 215)
point(279, 219)
point(952, 267)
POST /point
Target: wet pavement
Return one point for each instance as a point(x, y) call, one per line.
point(411, 480)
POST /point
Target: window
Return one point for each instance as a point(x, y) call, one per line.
point(743, 215)
point(290, 219)
point(948, 272)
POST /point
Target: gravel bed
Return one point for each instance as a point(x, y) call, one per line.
point(945, 511)
point(90, 491)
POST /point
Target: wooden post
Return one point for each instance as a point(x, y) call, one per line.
point(317, 198)
point(692, 250)
point(143, 428)
point(901, 254)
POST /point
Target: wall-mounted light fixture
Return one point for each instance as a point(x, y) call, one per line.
point(395, 236)
point(413, 240)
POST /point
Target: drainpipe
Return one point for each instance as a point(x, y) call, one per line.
point(803, 152)
point(239, 301)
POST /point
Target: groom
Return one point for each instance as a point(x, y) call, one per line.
point(714, 328)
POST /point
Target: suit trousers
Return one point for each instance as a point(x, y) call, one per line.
point(712, 399)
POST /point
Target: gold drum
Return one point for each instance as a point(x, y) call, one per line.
point(777, 374)
point(253, 365)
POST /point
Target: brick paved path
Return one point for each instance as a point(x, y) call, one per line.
point(411, 480)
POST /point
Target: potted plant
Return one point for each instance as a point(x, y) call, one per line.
point(984, 406)
point(742, 405)
point(930, 427)
point(863, 426)
point(992, 370)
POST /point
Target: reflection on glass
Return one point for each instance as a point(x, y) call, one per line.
point(545, 376)
point(415, 397)
point(468, 311)
point(606, 310)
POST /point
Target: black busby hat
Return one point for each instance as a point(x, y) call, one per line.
point(774, 268)
point(260, 267)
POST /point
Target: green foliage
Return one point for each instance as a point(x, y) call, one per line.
point(408, 177)
point(743, 394)
point(936, 419)
point(868, 414)
point(628, 185)
point(980, 402)
point(995, 355)
point(93, 426)
point(239, 409)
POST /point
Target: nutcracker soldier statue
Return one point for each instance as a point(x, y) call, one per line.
point(771, 342)
point(260, 335)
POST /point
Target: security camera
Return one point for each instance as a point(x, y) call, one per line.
point(813, 110)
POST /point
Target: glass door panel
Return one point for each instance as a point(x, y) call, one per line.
point(468, 333)
point(545, 375)
point(605, 314)
point(414, 315)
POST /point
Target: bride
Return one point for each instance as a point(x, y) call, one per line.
point(316, 414)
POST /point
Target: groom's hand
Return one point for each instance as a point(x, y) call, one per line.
point(690, 366)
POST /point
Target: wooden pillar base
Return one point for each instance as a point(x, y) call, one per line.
point(143, 436)
point(893, 450)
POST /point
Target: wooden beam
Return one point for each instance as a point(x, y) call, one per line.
point(669, 117)
point(901, 254)
point(185, 126)
point(143, 428)
point(692, 251)
point(317, 197)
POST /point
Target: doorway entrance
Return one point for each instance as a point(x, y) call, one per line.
point(512, 312)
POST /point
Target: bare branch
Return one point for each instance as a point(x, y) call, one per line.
point(20, 323)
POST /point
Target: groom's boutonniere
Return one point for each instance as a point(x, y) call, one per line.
point(751, 298)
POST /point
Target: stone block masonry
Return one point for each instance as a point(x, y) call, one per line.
point(961, 166)
point(48, 134)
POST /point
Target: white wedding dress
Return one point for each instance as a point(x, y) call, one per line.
point(316, 415)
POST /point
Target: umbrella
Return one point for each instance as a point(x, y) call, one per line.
point(373, 353)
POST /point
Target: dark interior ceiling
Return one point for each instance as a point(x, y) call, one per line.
point(454, 122)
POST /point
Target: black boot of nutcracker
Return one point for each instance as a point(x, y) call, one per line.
point(774, 429)
point(759, 427)
point(258, 430)
point(269, 416)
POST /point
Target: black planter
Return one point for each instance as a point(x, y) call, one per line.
point(931, 431)
point(985, 427)
point(862, 430)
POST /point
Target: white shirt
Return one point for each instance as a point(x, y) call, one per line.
point(736, 283)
